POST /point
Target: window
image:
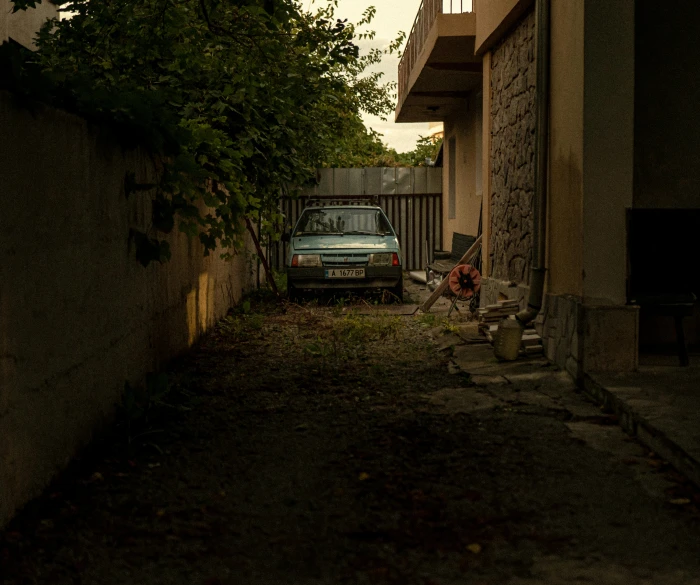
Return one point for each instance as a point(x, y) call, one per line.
point(342, 220)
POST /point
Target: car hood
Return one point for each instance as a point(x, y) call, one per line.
point(326, 243)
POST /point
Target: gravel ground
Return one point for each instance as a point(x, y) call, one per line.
point(311, 445)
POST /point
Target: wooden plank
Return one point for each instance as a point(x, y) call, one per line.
point(425, 307)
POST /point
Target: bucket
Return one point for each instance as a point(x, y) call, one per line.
point(506, 345)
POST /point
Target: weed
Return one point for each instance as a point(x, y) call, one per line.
point(430, 320)
point(427, 319)
point(450, 327)
point(280, 278)
point(339, 306)
point(255, 321)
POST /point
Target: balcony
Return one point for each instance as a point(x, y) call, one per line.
point(438, 68)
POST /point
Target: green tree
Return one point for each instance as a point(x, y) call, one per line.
point(239, 98)
point(426, 149)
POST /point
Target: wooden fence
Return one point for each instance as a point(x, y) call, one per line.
point(410, 197)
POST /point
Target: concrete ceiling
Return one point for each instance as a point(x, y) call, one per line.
point(448, 73)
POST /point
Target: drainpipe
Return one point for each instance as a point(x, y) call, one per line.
point(539, 223)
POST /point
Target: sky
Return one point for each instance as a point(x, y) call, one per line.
point(392, 17)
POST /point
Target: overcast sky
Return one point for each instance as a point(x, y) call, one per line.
point(392, 16)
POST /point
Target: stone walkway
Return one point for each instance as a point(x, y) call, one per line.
point(659, 404)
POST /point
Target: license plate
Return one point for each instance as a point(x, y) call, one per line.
point(345, 273)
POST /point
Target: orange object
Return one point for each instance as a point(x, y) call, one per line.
point(464, 281)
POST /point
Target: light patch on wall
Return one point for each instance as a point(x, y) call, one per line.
point(191, 317)
point(452, 178)
point(203, 300)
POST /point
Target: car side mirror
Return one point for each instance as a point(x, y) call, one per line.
point(286, 237)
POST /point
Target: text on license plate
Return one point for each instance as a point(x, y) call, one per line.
point(345, 273)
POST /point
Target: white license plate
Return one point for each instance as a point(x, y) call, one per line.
point(345, 273)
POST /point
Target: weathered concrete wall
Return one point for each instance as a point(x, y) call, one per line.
point(513, 153)
point(463, 128)
point(486, 166)
point(608, 159)
point(78, 315)
point(22, 26)
point(565, 189)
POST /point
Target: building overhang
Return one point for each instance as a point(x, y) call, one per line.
point(439, 78)
point(496, 18)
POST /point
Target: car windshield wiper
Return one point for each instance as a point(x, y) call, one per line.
point(317, 234)
point(360, 233)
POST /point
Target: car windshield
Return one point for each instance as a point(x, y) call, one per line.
point(343, 221)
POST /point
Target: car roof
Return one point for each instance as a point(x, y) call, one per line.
point(324, 207)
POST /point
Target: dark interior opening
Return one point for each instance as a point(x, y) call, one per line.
point(664, 252)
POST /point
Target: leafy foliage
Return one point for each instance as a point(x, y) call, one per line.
point(368, 150)
point(239, 98)
point(426, 149)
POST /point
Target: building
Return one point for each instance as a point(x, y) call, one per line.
point(23, 25)
point(440, 80)
point(572, 124)
point(436, 131)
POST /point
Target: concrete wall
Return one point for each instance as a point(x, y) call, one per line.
point(667, 121)
point(513, 153)
point(22, 26)
point(494, 18)
point(586, 325)
point(463, 128)
point(608, 121)
point(565, 190)
point(486, 167)
point(78, 315)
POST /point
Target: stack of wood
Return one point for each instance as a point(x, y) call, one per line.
point(491, 315)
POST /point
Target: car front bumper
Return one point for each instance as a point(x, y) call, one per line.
point(314, 278)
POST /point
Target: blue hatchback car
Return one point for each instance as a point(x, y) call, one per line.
point(344, 247)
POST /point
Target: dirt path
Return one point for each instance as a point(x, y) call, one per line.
point(315, 446)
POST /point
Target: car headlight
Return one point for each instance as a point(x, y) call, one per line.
point(384, 259)
point(306, 260)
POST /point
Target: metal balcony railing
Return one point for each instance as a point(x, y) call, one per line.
point(427, 14)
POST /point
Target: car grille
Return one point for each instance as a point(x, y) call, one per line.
point(344, 259)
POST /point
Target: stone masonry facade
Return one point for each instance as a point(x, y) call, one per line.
point(513, 153)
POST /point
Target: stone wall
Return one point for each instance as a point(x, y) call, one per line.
point(584, 338)
point(560, 331)
point(513, 153)
point(79, 316)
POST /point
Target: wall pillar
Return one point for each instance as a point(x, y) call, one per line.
point(486, 167)
point(608, 158)
point(586, 323)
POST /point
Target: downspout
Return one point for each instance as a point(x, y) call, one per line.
point(539, 221)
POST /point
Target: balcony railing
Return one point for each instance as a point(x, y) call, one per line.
point(427, 14)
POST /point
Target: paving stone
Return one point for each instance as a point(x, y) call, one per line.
point(461, 400)
point(488, 380)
